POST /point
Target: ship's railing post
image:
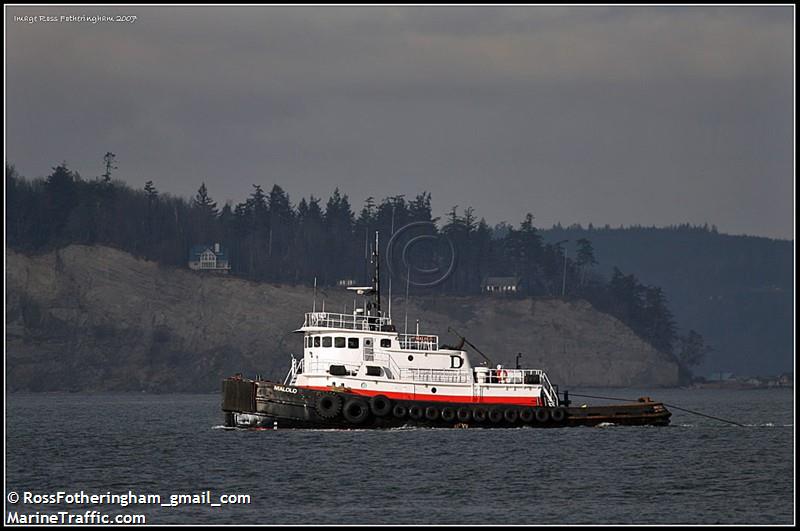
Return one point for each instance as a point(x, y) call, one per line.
point(291, 373)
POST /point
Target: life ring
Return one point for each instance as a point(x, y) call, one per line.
point(527, 415)
point(431, 413)
point(496, 415)
point(463, 414)
point(328, 406)
point(380, 406)
point(355, 410)
point(415, 412)
point(542, 415)
point(399, 411)
point(511, 415)
point(558, 414)
point(448, 415)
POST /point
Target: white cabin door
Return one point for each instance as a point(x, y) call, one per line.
point(369, 352)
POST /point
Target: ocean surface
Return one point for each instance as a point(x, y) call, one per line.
point(695, 471)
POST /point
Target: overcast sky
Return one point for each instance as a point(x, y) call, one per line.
point(618, 115)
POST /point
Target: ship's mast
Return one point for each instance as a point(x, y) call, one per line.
point(376, 279)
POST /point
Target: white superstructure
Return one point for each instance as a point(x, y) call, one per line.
point(363, 353)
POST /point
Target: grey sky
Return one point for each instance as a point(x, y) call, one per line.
point(619, 115)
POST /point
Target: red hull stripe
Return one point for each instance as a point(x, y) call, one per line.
point(510, 400)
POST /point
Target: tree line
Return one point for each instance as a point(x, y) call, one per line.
point(270, 239)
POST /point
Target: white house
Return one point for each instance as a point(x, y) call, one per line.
point(209, 258)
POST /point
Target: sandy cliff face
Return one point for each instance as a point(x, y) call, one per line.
point(95, 318)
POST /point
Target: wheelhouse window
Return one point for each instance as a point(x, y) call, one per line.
point(338, 342)
point(316, 341)
point(352, 342)
point(327, 341)
point(386, 343)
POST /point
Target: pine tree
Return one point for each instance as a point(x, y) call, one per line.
point(204, 203)
point(585, 258)
point(109, 159)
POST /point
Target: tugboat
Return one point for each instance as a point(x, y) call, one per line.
point(358, 371)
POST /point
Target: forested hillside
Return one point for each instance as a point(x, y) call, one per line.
point(270, 238)
point(737, 291)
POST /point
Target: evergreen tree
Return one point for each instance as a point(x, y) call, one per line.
point(204, 203)
point(693, 349)
point(60, 199)
point(585, 258)
point(109, 160)
point(152, 199)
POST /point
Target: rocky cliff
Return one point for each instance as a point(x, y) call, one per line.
point(97, 319)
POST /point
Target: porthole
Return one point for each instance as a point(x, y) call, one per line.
point(410, 357)
point(433, 389)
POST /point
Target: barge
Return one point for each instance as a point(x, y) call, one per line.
point(358, 371)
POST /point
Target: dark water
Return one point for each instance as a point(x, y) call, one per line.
point(695, 471)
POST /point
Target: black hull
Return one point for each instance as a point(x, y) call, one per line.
point(267, 405)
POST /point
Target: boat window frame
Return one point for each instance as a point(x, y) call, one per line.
point(316, 342)
point(327, 341)
point(339, 342)
point(353, 342)
point(386, 343)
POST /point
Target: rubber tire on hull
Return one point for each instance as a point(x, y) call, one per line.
point(542, 415)
point(463, 414)
point(527, 415)
point(329, 406)
point(355, 411)
point(415, 412)
point(511, 415)
point(479, 415)
point(448, 415)
point(431, 413)
point(399, 411)
point(558, 415)
point(380, 405)
point(496, 415)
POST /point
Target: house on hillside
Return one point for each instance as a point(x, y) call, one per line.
point(212, 258)
point(501, 285)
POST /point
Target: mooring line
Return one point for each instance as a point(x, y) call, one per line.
point(669, 405)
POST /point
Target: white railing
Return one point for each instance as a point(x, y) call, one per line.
point(387, 362)
point(418, 342)
point(295, 369)
point(435, 375)
point(518, 377)
point(550, 393)
point(346, 321)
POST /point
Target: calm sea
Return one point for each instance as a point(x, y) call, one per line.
point(695, 471)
